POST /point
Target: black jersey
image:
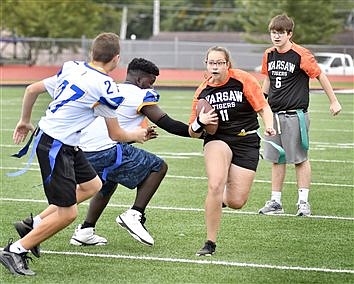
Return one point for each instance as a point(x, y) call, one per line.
point(236, 101)
point(289, 74)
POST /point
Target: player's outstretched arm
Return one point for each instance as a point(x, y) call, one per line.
point(24, 125)
point(156, 115)
point(117, 133)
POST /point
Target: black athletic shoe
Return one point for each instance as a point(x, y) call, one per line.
point(16, 263)
point(23, 228)
point(207, 250)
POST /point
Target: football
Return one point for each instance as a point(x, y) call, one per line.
point(209, 128)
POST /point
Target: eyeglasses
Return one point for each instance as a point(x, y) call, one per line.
point(217, 63)
point(278, 33)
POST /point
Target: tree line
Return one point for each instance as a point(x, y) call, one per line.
point(316, 21)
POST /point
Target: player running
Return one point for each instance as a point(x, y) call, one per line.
point(82, 92)
point(231, 155)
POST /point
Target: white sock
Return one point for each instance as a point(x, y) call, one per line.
point(276, 195)
point(36, 221)
point(303, 194)
point(16, 247)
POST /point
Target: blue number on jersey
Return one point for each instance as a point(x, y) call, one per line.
point(78, 94)
point(109, 91)
point(62, 86)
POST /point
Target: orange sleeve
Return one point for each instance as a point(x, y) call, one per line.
point(251, 89)
point(308, 61)
point(195, 102)
point(264, 69)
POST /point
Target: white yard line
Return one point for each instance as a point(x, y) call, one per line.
point(11, 169)
point(225, 211)
point(202, 262)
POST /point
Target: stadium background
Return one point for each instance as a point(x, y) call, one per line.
point(180, 60)
point(313, 250)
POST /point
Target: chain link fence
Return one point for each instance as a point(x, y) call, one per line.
point(174, 54)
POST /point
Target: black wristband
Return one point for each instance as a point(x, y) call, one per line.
point(199, 122)
point(196, 127)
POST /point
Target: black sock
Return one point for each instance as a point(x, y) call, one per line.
point(138, 209)
point(87, 225)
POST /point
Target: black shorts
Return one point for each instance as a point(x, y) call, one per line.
point(245, 149)
point(70, 168)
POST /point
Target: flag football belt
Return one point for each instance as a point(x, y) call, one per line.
point(117, 163)
point(281, 159)
point(244, 132)
point(37, 134)
point(302, 124)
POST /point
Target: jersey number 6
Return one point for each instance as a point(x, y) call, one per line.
point(277, 82)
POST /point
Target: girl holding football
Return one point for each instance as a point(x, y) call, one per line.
point(231, 154)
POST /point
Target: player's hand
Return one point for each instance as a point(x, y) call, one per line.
point(335, 108)
point(21, 131)
point(209, 117)
point(140, 135)
point(270, 131)
point(151, 132)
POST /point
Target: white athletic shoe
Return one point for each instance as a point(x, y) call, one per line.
point(133, 222)
point(271, 207)
point(86, 237)
point(303, 209)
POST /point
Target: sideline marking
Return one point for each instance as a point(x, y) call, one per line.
point(204, 178)
point(268, 181)
point(225, 211)
point(214, 262)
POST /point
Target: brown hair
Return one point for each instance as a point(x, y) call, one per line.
point(281, 23)
point(221, 49)
point(104, 47)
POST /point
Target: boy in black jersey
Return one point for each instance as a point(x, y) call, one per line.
point(288, 68)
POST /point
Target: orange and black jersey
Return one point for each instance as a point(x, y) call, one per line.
point(236, 101)
point(289, 74)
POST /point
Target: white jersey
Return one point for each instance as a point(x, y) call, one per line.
point(76, 90)
point(95, 136)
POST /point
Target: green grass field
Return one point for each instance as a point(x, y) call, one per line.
point(250, 248)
